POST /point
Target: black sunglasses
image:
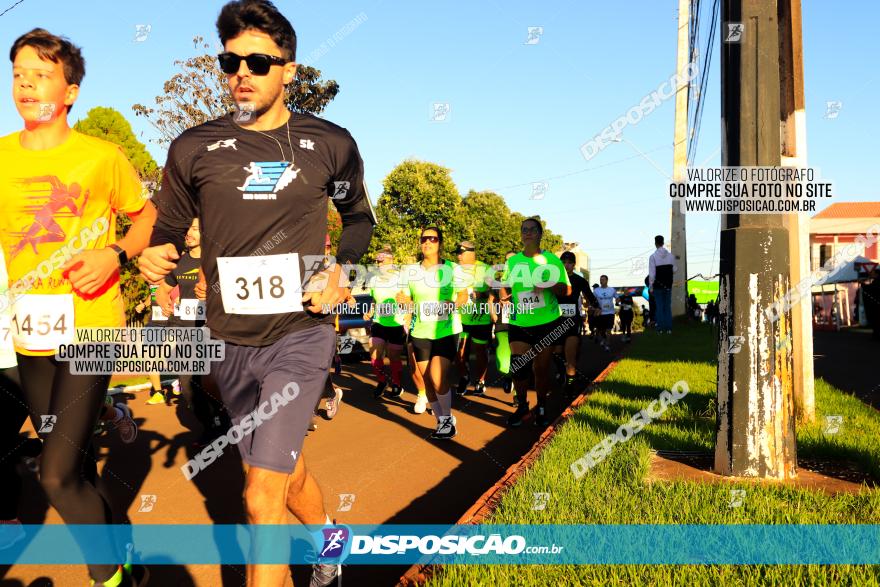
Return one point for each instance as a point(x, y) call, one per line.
point(430, 239)
point(258, 63)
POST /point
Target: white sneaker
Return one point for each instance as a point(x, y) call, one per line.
point(445, 428)
point(421, 404)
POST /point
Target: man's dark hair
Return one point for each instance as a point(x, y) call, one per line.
point(261, 15)
point(569, 256)
point(658, 240)
point(536, 221)
point(605, 276)
point(55, 49)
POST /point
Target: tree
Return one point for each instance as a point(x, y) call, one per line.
point(491, 226)
point(198, 94)
point(417, 194)
point(110, 125)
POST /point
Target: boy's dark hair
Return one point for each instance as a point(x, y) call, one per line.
point(568, 255)
point(658, 240)
point(55, 49)
point(241, 15)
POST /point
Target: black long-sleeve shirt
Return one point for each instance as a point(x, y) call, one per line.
point(259, 194)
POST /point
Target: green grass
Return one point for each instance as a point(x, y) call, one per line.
point(615, 492)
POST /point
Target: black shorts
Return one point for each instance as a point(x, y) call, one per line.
point(626, 316)
point(535, 334)
point(255, 382)
point(574, 329)
point(479, 333)
point(502, 326)
point(605, 322)
point(390, 334)
point(425, 348)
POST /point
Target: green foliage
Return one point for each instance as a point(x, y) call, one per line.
point(198, 93)
point(110, 125)
point(417, 194)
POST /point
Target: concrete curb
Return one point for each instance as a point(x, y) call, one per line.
point(419, 574)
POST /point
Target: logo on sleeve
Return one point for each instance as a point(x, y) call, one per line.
point(266, 178)
point(224, 143)
point(340, 190)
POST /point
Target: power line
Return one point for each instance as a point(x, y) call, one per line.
point(11, 7)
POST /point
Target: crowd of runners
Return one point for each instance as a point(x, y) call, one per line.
point(230, 187)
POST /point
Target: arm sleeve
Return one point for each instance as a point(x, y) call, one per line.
point(128, 192)
point(349, 194)
point(175, 201)
point(652, 270)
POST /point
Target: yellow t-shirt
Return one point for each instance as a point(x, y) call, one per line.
point(55, 203)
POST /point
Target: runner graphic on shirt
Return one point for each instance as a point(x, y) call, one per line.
point(60, 197)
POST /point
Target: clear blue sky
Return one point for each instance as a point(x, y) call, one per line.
point(519, 112)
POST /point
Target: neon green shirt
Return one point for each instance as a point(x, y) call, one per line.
point(433, 292)
point(476, 311)
point(522, 274)
point(384, 289)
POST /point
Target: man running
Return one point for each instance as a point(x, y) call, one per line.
point(386, 333)
point(534, 279)
point(434, 290)
point(476, 321)
point(626, 315)
point(60, 191)
point(605, 320)
point(571, 306)
point(277, 340)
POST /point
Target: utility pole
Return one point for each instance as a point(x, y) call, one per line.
point(678, 236)
point(794, 154)
point(756, 421)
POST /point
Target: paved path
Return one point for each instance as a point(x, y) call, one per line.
point(377, 450)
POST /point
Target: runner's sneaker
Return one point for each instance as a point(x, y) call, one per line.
point(480, 388)
point(324, 574)
point(156, 398)
point(10, 533)
point(517, 417)
point(125, 424)
point(506, 384)
point(515, 401)
point(396, 391)
point(541, 420)
point(445, 428)
point(331, 405)
point(462, 386)
point(421, 404)
point(380, 387)
point(175, 387)
point(127, 575)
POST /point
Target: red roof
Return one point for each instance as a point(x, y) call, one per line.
point(851, 210)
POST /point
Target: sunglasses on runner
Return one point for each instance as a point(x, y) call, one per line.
point(430, 239)
point(258, 63)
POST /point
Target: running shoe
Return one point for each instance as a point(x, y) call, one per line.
point(421, 404)
point(125, 424)
point(380, 387)
point(10, 533)
point(518, 416)
point(462, 386)
point(132, 576)
point(324, 574)
point(515, 401)
point(156, 398)
point(480, 388)
point(445, 428)
point(175, 387)
point(506, 384)
point(541, 420)
point(331, 405)
point(396, 391)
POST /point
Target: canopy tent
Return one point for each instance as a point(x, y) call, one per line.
point(852, 271)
